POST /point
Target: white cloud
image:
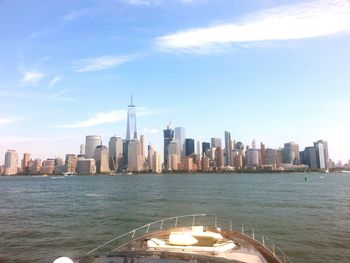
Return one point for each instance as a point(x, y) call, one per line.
point(32, 77)
point(75, 14)
point(100, 63)
point(4, 121)
point(152, 130)
point(104, 118)
point(54, 81)
point(40, 96)
point(299, 21)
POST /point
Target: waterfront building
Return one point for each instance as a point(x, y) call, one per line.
point(36, 166)
point(322, 156)
point(71, 163)
point(253, 157)
point(149, 156)
point(310, 157)
point(228, 148)
point(189, 146)
point(131, 131)
point(216, 142)
point(135, 163)
point(237, 159)
point(91, 142)
point(86, 166)
point(205, 164)
point(173, 161)
point(174, 154)
point(205, 148)
point(199, 148)
point(82, 149)
point(11, 163)
point(2, 169)
point(186, 164)
point(219, 158)
point(168, 137)
point(156, 163)
point(25, 163)
point(142, 144)
point(262, 153)
point(291, 153)
point(48, 167)
point(101, 157)
point(115, 147)
point(180, 136)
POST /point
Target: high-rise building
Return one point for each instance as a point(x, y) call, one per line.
point(291, 153)
point(36, 166)
point(199, 149)
point(219, 157)
point(189, 146)
point(135, 163)
point(228, 148)
point(86, 166)
point(156, 163)
point(25, 163)
point(216, 142)
point(82, 149)
point(310, 157)
point(115, 147)
point(253, 158)
point(168, 137)
point(205, 148)
point(48, 166)
point(91, 142)
point(11, 163)
point(142, 142)
point(149, 156)
point(262, 153)
point(321, 147)
point(174, 154)
point(131, 131)
point(180, 136)
point(71, 163)
point(239, 146)
point(101, 156)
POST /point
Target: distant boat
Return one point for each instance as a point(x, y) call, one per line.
point(68, 174)
point(129, 173)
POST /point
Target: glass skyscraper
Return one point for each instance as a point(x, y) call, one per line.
point(131, 132)
point(168, 137)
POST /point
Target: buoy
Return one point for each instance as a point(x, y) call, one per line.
point(63, 260)
point(305, 178)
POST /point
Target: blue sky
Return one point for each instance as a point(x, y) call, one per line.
point(275, 71)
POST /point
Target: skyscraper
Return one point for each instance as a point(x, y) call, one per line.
point(115, 146)
point(228, 148)
point(310, 157)
point(205, 148)
point(216, 142)
point(131, 132)
point(91, 142)
point(25, 163)
point(11, 162)
point(321, 148)
point(189, 146)
point(180, 135)
point(291, 153)
point(135, 163)
point(168, 137)
point(101, 156)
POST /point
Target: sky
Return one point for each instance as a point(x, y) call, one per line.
point(274, 71)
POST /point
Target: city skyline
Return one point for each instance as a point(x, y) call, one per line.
point(67, 70)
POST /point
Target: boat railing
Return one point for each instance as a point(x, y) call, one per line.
point(189, 221)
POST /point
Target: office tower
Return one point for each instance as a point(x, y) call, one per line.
point(239, 146)
point(91, 142)
point(82, 149)
point(131, 132)
point(11, 163)
point(86, 166)
point(174, 154)
point(168, 137)
point(216, 142)
point(322, 154)
point(219, 157)
point(25, 163)
point(228, 148)
point(205, 148)
point(270, 156)
point(115, 147)
point(135, 163)
point(142, 142)
point(36, 166)
point(199, 149)
point(156, 163)
point(253, 144)
point(262, 153)
point(253, 157)
point(291, 153)
point(205, 164)
point(48, 166)
point(71, 163)
point(310, 157)
point(149, 156)
point(189, 146)
point(101, 157)
point(180, 136)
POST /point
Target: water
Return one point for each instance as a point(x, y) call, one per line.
point(42, 218)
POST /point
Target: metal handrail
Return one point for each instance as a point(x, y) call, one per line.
point(275, 250)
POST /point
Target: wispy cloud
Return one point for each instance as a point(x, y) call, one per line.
point(75, 14)
point(54, 81)
point(299, 21)
point(101, 63)
point(32, 77)
point(40, 96)
point(4, 121)
point(104, 118)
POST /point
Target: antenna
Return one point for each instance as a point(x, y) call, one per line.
point(131, 99)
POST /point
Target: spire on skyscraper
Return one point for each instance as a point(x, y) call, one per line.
point(131, 132)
